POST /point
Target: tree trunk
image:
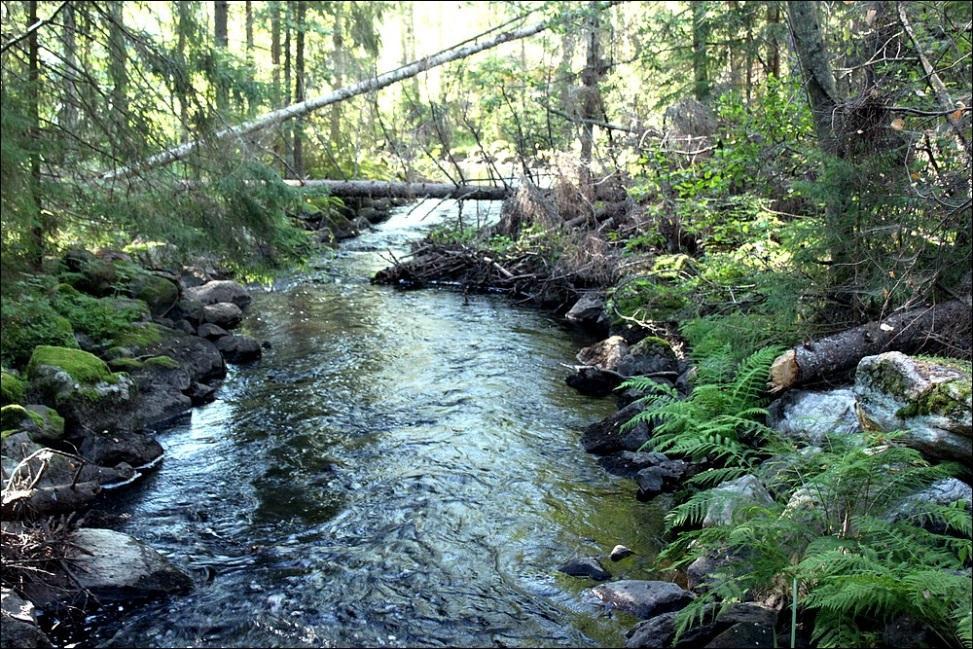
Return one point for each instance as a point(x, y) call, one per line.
point(38, 229)
point(906, 331)
point(118, 67)
point(276, 117)
point(700, 62)
point(591, 98)
point(299, 91)
point(222, 42)
point(248, 29)
point(809, 43)
point(366, 188)
point(275, 65)
point(183, 83)
point(288, 18)
point(68, 116)
point(337, 69)
point(773, 47)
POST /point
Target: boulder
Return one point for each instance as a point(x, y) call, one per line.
point(41, 423)
point(160, 293)
point(188, 308)
point(19, 623)
point(655, 633)
point(585, 567)
point(809, 417)
point(928, 399)
point(660, 630)
point(644, 599)
point(732, 497)
point(745, 634)
point(607, 363)
point(589, 313)
point(217, 291)
point(199, 357)
point(88, 273)
point(607, 436)
point(113, 448)
point(161, 383)
point(201, 393)
point(239, 349)
point(117, 568)
point(210, 331)
point(661, 477)
point(627, 464)
point(223, 314)
point(942, 492)
point(12, 389)
point(619, 552)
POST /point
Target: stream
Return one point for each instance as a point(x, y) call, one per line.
point(401, 468)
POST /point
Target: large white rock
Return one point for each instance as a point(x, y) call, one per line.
point(809, 417)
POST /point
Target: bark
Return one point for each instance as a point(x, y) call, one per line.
point(183, 84)
point(38, 229)
point(365, 188)
point(905, 331)
point(809, 43)
point(68, 116)
point(288, 18)
point(222, 41)
point(299, 90)
point(338, 67)
point(118, 66)
point(700, 62)
point(248, 18)
point(591, 99)
point(276, 117)
point(773, 47)
point(275, 65)
point(48, 500)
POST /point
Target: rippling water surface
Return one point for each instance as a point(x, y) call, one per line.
point(401, 468)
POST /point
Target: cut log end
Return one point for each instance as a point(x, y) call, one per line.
point(784, 372)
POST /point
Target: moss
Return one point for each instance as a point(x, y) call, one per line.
point(140, 335)
point(4, 434)
point(12, 417)
point(124, 364)
point(85, 368)
point(27, 321)
point(86, 272)
point(652, 345)
point(100, 318)
point(960, 365)
point(949, 399)
point(167, 362)
point(156, 291)
point(12, 389)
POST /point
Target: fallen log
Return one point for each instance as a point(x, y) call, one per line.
point(374, 188)
point(905, 331)
point(48, 500)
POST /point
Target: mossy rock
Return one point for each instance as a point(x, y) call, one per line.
point(12, 389)
point(652, 346)
point(85, 368)
point(43, 425)
point(125, 364)
point(167, 362)
point(28, 321)
point(88, 273)
point(140, 335)
point(99, 318)
point(159, 293)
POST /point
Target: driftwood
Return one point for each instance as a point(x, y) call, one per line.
point(48, 500)
point(906, 331)
point(381, 188)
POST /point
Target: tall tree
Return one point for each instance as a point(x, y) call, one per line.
point(299, 88)
point(39, 225)
point(773, 46)
point(68, 115)
point(591, 97)
point(118, 66)
point(700, 28)
point(221, 40)
point(337, 70)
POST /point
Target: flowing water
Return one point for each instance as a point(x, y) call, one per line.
point(401, 468)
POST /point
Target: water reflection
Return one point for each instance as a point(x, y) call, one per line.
point(400, 469)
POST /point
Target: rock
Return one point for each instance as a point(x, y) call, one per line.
point(619, 552)
point(186, 327)
point(701, 571)
point(19, 627)
point(748, 613)
point(655, 633)
point(589, 313)
point(161, 385)
point(116, 567)
point(210, 331)
point(649, 356)
point(223, 314)
point(220, 291)
point(41, 423)
point(110, 449)
point(188, 308)
point(199, 357)
point(644, 599)
point(930, 401)
point(628, 463)
point(809, 417)
point(12, 389)
point(942, 492)
point(201, 393)
point(607, 436)
point(593, 382)
point(730, 497)
point(744, 634)
point(160, 293)
point(585, 567)
point(239, 349)
point(88, 273)
point(656, 479)
point(607, 363)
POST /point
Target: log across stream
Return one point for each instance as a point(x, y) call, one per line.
point(399, 469)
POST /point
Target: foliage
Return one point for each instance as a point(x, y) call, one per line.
point(99, 318)
point(12, 389)
point(30, 320)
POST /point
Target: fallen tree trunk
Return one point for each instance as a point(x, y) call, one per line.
point(372, 188)
point(303, 108)
point(48, 500)
point(906, 331)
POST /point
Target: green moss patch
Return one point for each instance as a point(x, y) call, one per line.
point(124, 364)
point(83, 367)
point(13, 417)
point(100, 318)
point(140, 335)
point(167, 362)
point(12, 389)
point(27, 321)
